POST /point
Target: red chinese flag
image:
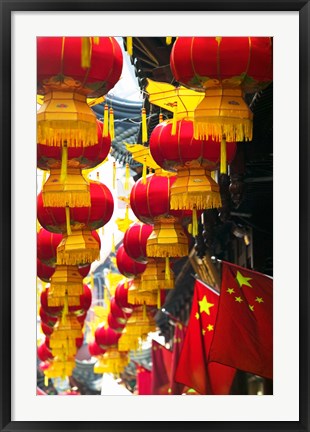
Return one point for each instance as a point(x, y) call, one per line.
point(193, 369)
point(178, 340)
point(143, 381)
point(243, 335)
point(161, 369)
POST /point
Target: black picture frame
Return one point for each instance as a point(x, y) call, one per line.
point(9, 6)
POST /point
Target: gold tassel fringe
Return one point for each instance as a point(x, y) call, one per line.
point(66, 198)
point(168, 40)
point(77, 257)
point(143, 181)
point(162, 250)
point(234, 129)
point(198, 200)
point(55, 133)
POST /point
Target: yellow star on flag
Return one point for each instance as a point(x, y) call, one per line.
point(242, 280)
point(230, 290)
point(210, 327)
point(238, 299)
point(203, 332)
point(197, 315)
point(259, 300)
point(251, 307)
point(205, 306)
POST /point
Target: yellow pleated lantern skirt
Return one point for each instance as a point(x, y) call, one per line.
point(223, 112)
point(73, 191)
point(194, 188)
point(78, 248)
point(65, 282)
point(168, 239)
point(112, 361)
point(154, 276)
point(65, 117)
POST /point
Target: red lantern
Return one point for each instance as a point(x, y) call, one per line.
point(193, 159)
point(135, 241)
point(150, 202)
point(98, 214)
point(121, 296)
point(85, 302)
point(45, 272)
point(126, 265)
point(152, 199)
point(78, 157)
point(51, 310)
point(60, 58)
point(115, 324)
point(66, 78)
point(46, 329)
point(47, 243)
point(95, 350)
point(119, 314)
point(223, 67)
point(181, 149)
point(44, 353)
point(47, 319)
point(106, 337)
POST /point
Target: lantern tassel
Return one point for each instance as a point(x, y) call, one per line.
point(174, 120)
point(194, 223)
point(127, 177)
point(86, 52)
point(223, 168)
point(129, 45)
point(111, 124)
point(69, 232)
point(161, 118)
point(168, 40)
point(144, 311)
point(143, 181)
point(105, 130)
point(167, 269)
point(64, 163)
point(65, 310)
point(127, 220)
point(96, 40)
point(158, 299)
point(46, 381)
point(44, 178)
point(114, 174)
point(144, 126)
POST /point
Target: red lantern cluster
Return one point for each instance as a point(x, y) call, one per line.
point(71, 208)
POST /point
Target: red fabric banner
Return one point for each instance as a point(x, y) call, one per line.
point(143, 381)
point(193, 369)
point(178, 341)
point(243, 335)
point(161, 369)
